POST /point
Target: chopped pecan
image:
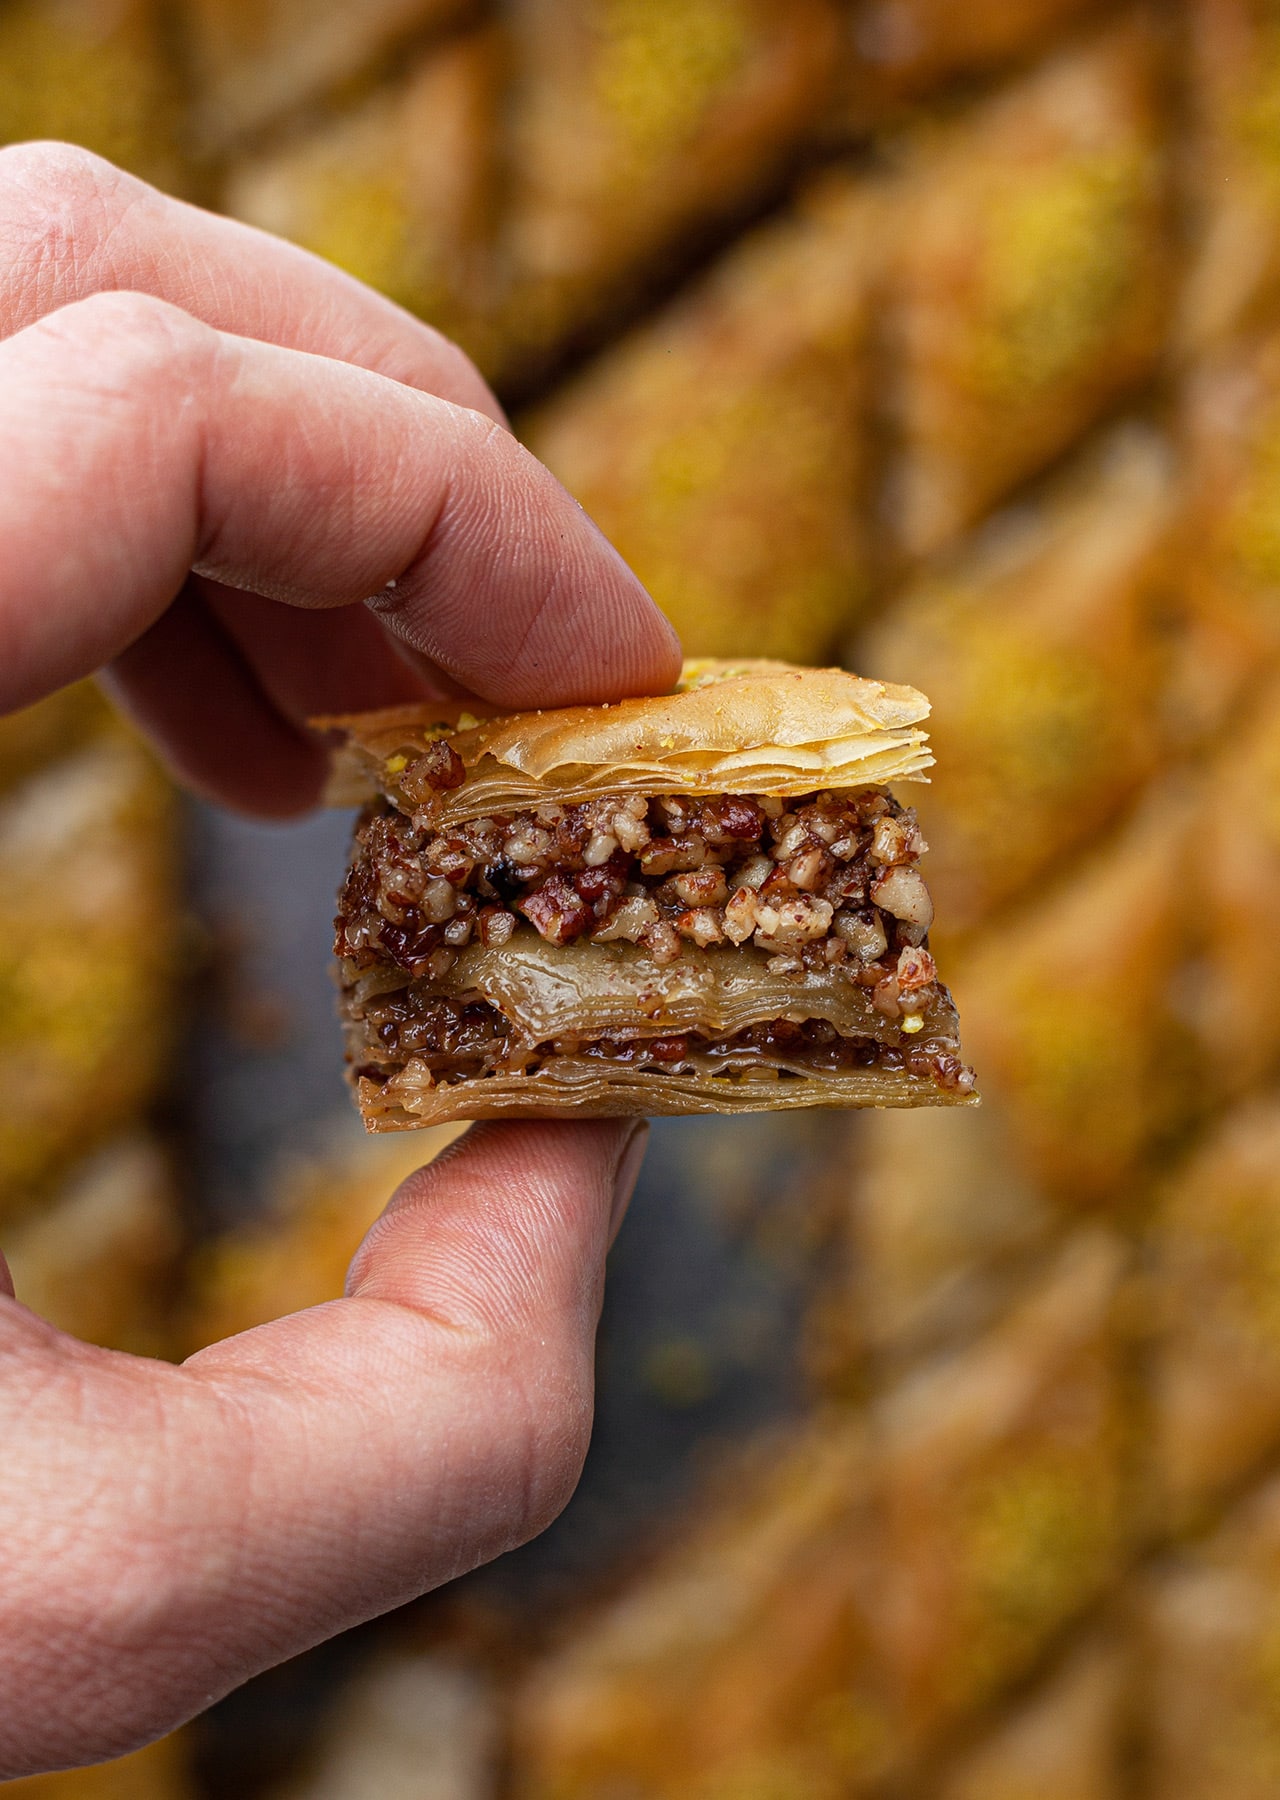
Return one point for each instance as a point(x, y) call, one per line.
point(557, 911)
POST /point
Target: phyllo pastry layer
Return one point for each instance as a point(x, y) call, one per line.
point(703, 902)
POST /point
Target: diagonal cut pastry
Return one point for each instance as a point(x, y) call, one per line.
point(706, 901)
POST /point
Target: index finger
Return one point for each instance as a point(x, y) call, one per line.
point(72, 225)
point(138, 443)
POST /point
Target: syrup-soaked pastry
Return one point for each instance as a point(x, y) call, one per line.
point(703, 902)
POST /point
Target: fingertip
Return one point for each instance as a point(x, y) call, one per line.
point(516, 593)
point(514, 1218)
point(670, 652)
point(621, 643)
point(505, 1155)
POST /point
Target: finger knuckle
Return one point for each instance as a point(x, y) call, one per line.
point(462, 375)
point(58, 202)
point(424, 358)
point(50, 168)
point(143, 337)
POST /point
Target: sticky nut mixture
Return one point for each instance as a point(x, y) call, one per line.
point(828, 879)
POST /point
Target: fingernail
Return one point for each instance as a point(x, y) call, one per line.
point(626, 1174)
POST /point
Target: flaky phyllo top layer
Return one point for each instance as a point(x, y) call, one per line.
point(730, 728)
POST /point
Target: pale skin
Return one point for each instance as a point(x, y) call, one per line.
point(214, 450)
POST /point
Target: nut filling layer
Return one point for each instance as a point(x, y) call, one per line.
point(824, 885)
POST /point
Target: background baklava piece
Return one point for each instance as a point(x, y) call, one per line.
point(1037, 650)
point(742, 403)
point(897, 50)
point(89, 938)
point(1030, 281)
point(100, 1258)
point(733, 1665)
point(160, 1772)
point(1230, 537)
point(1232, 168)
point(400, 191)
point(1236, 960)
point(95, 72)
point(297, 1253)
point(412, 1725)
point(1070, 1011)
point(635, 125)
point(1214, 1274)
point(1211, 1623)
point(254, 59)
point(1001, 1479)
point(1068, 1740)
point(939, 1225)
point(52, 728)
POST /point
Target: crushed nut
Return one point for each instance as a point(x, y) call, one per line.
point(792, 921)
point(702, 924)
point(439, 901)
point(599, 849)
point(916, 969)
point(628, 922)
point(902, 892)
point(807, 869)
point(702, 887)
point(661, 941)
point(741, 916)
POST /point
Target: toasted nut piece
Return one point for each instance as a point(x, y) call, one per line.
point(630, 826)
point(741, 916)
point(527, 844)
point(662, 856)
point(863, 932)
point(916, 969)
point(630, 920)
point(901, 891)
point(702, 887)
point(600, 848)
point(439, 901)
point(807, 869)
point(450, 860)
point(661, 941)
point(895, 841)
point(496, 926)
point(791, 842)
point(754, 872)
point(702, 924)
point(884, 997)
point(796, 921)
point(557, 911)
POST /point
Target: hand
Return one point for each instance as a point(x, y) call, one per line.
point(213, 447)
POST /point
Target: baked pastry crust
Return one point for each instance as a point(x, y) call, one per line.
point(407, 1102)
point(750, 727)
